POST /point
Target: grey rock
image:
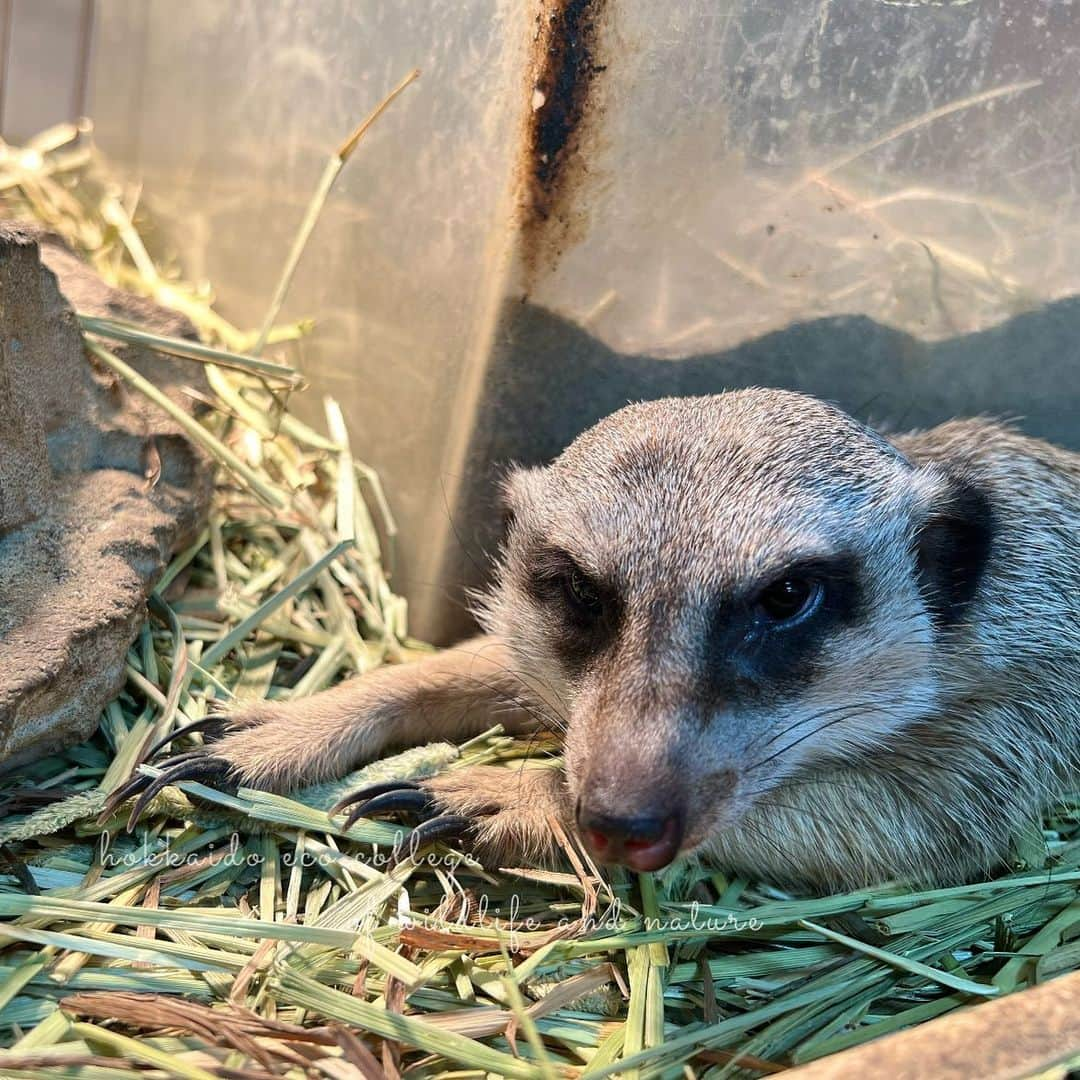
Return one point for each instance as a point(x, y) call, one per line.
point(85, 529)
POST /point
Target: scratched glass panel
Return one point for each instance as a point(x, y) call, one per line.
point(227, 113)
point(767, 162)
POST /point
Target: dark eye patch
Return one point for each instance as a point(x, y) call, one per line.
point(585, 610)
point(745, 655)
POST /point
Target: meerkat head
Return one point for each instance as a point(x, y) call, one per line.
point(723, 592)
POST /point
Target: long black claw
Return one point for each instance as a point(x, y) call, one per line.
point(403, 799)
point(439, 828)
point(211, 726)
point(140, 781)
point(132, 786)
point(371, 791)
point(202, 768)
point(199, 753)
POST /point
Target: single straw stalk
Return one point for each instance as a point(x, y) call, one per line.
point(334, 164)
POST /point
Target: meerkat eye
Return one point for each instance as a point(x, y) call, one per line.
point(789, 598)
point(582, 593)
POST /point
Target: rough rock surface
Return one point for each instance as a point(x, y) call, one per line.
point(97, 488)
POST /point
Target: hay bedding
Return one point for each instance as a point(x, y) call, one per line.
point(249, 937)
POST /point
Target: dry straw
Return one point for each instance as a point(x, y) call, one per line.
point(248, 936)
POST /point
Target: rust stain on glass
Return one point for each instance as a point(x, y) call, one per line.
point(561, 120)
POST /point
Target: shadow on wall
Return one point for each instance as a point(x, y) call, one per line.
point(550, 380)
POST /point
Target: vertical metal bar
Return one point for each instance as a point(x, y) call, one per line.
point(5, 46)
point(82, 61)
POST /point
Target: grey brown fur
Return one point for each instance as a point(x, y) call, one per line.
point(905, 728)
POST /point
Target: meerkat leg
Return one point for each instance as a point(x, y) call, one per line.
point(280, 746)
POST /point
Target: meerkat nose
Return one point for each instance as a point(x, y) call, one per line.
point(642, 843)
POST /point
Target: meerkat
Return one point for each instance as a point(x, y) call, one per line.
point(767, 635)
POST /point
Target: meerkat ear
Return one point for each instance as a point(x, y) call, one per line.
point(953, 544)
point(520, 490)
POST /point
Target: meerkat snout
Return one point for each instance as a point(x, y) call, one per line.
point(643, 842)
point(630, 810)
point(641, 811)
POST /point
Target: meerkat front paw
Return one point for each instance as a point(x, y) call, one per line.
point(283, 745)
point(504, 815)
point(249, 746)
